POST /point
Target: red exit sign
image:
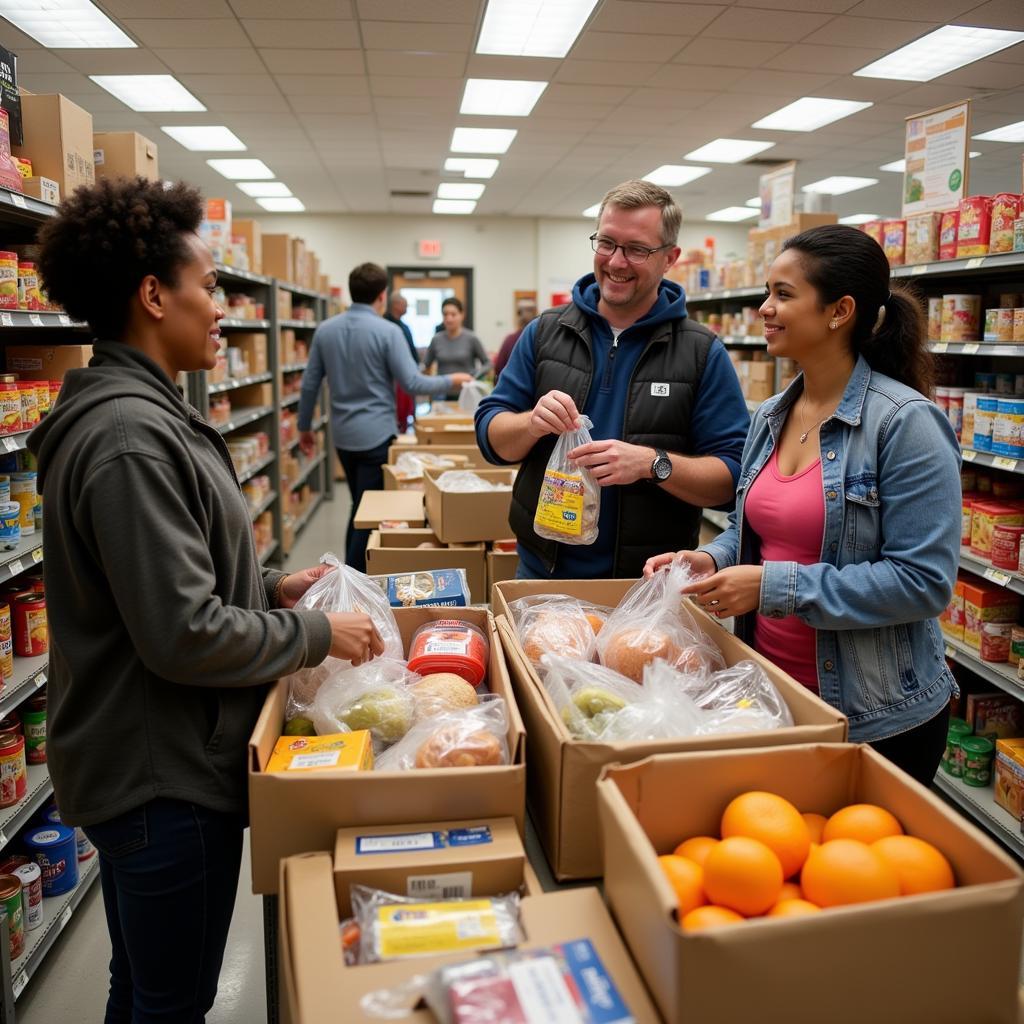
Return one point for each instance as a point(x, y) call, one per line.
point(429, 248)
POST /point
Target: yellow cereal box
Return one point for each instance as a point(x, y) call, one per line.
point(342, 751)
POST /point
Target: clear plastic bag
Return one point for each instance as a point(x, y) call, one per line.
point(590, 698)
point(471, 738)
point(393, 927)
point(376, 696)
point(343, 590)
point(569, 503)
point(652, 622)
point(410, 465)
point(472, 394)
point(464, 481)
point(553, 624)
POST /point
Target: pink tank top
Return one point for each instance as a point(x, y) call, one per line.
point(788, 515)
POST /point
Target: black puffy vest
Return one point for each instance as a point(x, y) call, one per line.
point(650, 520)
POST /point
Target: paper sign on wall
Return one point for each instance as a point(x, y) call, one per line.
point(777, 192)
point(935, 151)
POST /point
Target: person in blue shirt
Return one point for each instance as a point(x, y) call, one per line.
point(363, 356)
point(669, 417)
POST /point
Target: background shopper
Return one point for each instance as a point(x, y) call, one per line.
point(845, 541)
point(165, 631)
point(456, 350)
point(405, 404)
point(504, 353)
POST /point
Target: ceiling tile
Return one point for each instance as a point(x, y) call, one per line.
point(331, 104)
point(168, 9)
point(451, 11)
point(559, 92)
point(192, 33)
point(913, 10)
point(654, 18)
point(661, 103)
point(427, 65)
point(931, 94)
point(127, 121)
point(314, 62)
point(100, 103)
point(685, 76)
point(546, 108)
point(421, 106)
point(1011, 55)
point(873, 90)
point(419, 36)
point(114, 62)
point(1008, 14)
point(352, 126)
point(229, 85)
point(237, 61)
point(17, 42)
point(312, 35)
point(986, 74)
point(774, 26)
point(64, 82)
point(596, 72)
point(839, 60)
point(400, 86)
point(781, 83)
point(328, 85)
point(729, 53)
point(617, 46)
point(531, 69)
point(246, 102)
point(296, 8)
point(816, 6)
point(42, 62)
point(872, 33)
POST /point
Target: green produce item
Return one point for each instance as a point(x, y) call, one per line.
point(593, 701)
point(385, 712)
point(299, 727)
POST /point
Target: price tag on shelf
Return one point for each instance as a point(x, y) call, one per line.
point(65, 320)
point(10, 444)
point(35, 320)
point(997, 576)
point(970, 348)
point(974, 264)
point(64, 918)
point(19, 201)
point(3, 837)
point(6, 319)
point(40, 680)
point(950, 651)
point(37, 555)
point(19, 983)
point(16, 566)
point(229, 427)
point(727, 294)
point(940, 346)
point(919, 268)
point(968, 455)
point(1002, 462)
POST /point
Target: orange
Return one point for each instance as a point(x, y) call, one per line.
point(744, 875)
point(793, 908)
point(709, 917)
point(687, 879)
point(920, 867)
point(847, 871)
point(696, 848)
point(790, 891)
point(866, 822)
point(815, 824)
point(773, 821)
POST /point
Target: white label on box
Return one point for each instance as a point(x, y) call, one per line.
point(98, 157)
point(542, 992)
point(19, 200)
point(456, 885)
point(325, 759)
point(407, 842)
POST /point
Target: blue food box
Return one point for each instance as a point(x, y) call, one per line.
point(439, 587)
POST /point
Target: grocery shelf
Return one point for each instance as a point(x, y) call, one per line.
point(258, 510)
point(999, 674)
point(266, 554)
point(994, 461)
point(38, 790)
point(979, 348)
point(1007, 262)
point(248, 474)
point(972, 563)
point(57, 911)
point(29, 676)
point(716, 518)
point(296, 290)
point(28, 553)
point(290, 400)
point(311, 325)
point(15, 442)
point(317, 424)
point(238, 382)
point(245, 325)
point(746, 340)
point(724, 293)
point(27, 209)
point(304, 475)
point(244, 417)
point(301, 522)
point(294, 367)
point(980, 804)
point(20, 319)
point(235, 274)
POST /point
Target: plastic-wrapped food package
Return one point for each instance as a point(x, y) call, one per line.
point(569, 503)
point(467, 738)
point(651, 622)
point(441, 692)
point(410, 465)
point(393, 927)
point(464, 481)
point(343, 590)
point(376, 696)
point(472, 394)
point(553, 624)
point(589, 697)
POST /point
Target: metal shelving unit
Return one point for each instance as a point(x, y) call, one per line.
point(306, 516)
point(28, 553)
point(992, 461)
point(999, 674)
point(39, 789)
point(244, 418)
point(976, 266)
point(258, 510)
point(304, 476)
point(268, 552)
point(245, 325)
point(300, 325)
point(258, 467)
point(1011, 580)
point(724, 295)
point(980, 805)
point(20, 320)
point(239, 382)
point(975, 348)
point(29, 676)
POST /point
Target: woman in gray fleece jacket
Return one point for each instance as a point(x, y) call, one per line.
point(165, 631)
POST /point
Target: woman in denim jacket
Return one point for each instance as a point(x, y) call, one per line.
point(844, 544)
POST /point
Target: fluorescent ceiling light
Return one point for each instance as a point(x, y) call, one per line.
point(277, 204)
point(728, 151)
point(499, 97)
point(809, 113)
point(149, 92)
point(897, 166)
point(1008, 133)
point(241, 170)
point(454, 205)
point(482, 140)
point(259, 189)
point(674, 175)
point(592, 211)
point(754, 201)
point(532, 28)
point(940, 52)
point(839, 185)
point(733, 213)
point(65, 24)
point(471, 168)
point(205, 138)
point(459, 190)
point(858, 218)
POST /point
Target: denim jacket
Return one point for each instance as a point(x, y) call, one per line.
point(890, 467)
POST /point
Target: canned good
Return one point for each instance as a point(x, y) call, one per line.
point(8, 280)
point(54, 391)
point(985, 380)
point(1004, 324)
point(11, 863)
point(1006, 547)
point(85, 849)
point(961, 317)
point(991, 320)
point(13, 911)
point(935, 318)
point(1016, 644)
point(23, 491)
point(6, 649)
point(31, 634)
point(10, 525)
point(13, 780)
point(54, 849)
point(29, 404)
point(951, 757)
point(28, 286)
point(995, 641)
point(955, 410)
point(43, 397)
point(1008, 427)
point(1018, 235)
point(10, 408)
point(31, 879)
point(33, 722)
point(1005, 211)
point(977, 753)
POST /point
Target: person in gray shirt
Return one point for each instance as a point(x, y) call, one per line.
point(362, 356)
point(454, 349)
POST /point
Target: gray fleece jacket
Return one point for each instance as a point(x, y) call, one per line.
point(161, 639)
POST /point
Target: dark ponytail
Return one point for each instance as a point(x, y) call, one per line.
point(890, 327)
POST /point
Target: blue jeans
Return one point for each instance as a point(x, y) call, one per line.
point(169, 872)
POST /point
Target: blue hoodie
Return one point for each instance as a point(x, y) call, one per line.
point(719, 423)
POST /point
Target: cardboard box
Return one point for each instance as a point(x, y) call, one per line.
point(501, 566)
point(58, 141)
point(994, 715)
point(46, 190)
point(563, 771)
point(395, 551)
point(314, 976)
point(46, 362)
point(290, 815)
point(792, 965)
point(277, 258)
point(480, 515)
point(252, 233)
point(433, 860)
point(252, 396)
point(255, 348)
point(455, 429)
point(396, 506)
point(1008, 783)
point(215, 229)
point(474, 458)
point(125, 154)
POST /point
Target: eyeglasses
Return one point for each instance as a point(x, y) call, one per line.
point(634, 253)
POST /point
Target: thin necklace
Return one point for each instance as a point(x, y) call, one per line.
point(807, 432)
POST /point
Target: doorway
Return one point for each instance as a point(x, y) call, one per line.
point(425, 290)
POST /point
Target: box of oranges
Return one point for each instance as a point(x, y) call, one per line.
point(748, 883)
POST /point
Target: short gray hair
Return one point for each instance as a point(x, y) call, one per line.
point(636, 194)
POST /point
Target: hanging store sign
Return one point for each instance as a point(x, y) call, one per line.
point(936, 157)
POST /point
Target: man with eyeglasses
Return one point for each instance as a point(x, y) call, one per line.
point(669, 418)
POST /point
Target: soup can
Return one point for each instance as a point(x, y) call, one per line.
point(6, 645)
point(12, 909)
point(13, 778)
point(10, 525)
point(8, 280)
point(54, 849)
point(31, 634)
point(31, 879)
point(23, 491)
point(33, 723)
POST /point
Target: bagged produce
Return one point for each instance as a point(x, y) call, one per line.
point(589, 697)
point(553, 624)
point(464, 481)
point(410, 465)
point(569, 503)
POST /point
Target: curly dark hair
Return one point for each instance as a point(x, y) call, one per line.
point(107, 238)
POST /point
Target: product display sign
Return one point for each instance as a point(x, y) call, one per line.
point(777, 192)
point(10, 98)
point(935, 151)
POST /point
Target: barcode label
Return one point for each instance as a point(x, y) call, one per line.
point(6, 319)
point(10, 444)
point(974, 264)
point(19, 201)
point(3, 837)
point(40, 680)
point(65, 320)
point(950, 651)
point(16, 566)
point(404, 842)
point(455, 885)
